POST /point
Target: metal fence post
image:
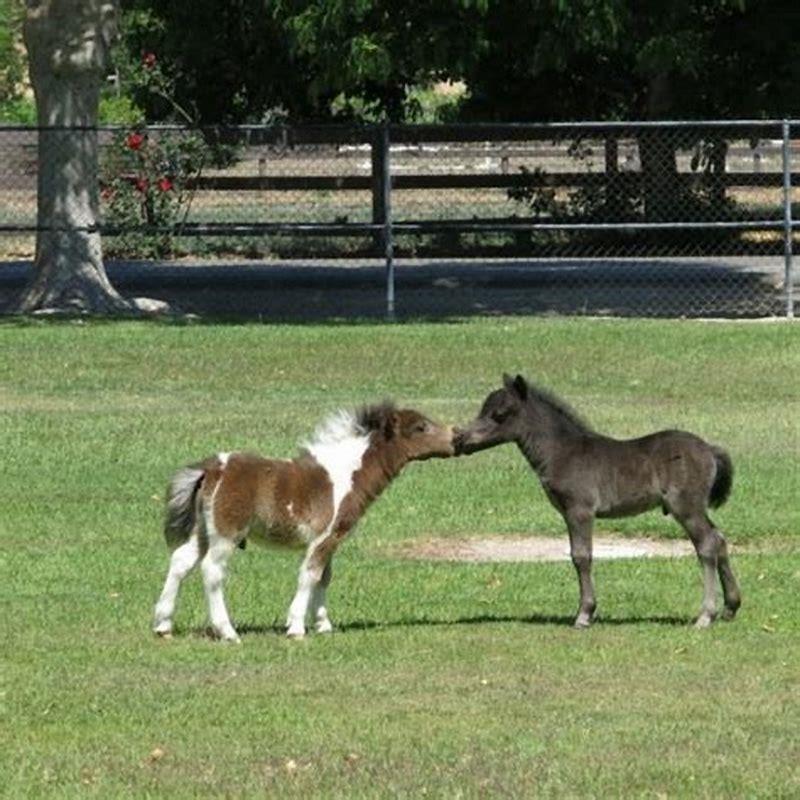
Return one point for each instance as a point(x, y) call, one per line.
point(788, 277)
point(388, 243)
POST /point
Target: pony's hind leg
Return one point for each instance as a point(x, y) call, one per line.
point(730, 586)
point(707, 544)
point(213, 569)
point(183, 561)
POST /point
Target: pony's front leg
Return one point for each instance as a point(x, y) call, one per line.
point(319, 611)
point(315, 575)
point(579, 522)
point(296, 619)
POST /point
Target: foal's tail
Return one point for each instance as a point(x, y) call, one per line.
point(723, 481)
point(181, 511)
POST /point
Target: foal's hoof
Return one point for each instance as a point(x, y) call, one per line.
point(165, 635)
point(703, 621)
point(296, 636)
point(729, 613)
point(583, 622)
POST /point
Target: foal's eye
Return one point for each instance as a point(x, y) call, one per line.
point(501, 416)
point(421, 427)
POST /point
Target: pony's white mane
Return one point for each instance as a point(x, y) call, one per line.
point(339, 427)
point(338, 445)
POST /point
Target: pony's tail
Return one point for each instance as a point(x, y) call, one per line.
point(181, 510)
point(723, 481)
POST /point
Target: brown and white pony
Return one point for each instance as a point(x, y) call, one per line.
point(309, 502)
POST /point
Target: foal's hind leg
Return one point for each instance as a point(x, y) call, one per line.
point(183, 561)
point(707, 543)
point(213, 569)
point(730, 586)
point(579, 523)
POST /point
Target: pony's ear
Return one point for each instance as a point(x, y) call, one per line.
point(508, 381)
point(521, 387)
point(390, 425)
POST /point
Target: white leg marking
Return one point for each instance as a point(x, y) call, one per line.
point(318, 610)
point(213, 569)
point(183, 561)
point(338, 447)
point(296, 621)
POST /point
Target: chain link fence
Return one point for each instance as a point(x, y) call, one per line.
point(645, 219)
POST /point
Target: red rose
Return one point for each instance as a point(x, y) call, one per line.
point(106, 193)
point(164, 184)
point(148, 60)
point(141, 185)
point(134, 141)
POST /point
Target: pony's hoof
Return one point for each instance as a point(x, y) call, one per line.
point(729, 614)
point(165, 635)
point(296, 636)
point(324, 627)
point(582, 623)
point(703, 621)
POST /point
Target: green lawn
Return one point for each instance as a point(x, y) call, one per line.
point(442, 679)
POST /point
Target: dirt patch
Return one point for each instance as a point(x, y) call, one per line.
point(539, 548)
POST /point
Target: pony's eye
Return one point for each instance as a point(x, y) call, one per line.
point(421, 427)
point(501, 416)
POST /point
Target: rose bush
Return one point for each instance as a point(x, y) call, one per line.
point(147, 189)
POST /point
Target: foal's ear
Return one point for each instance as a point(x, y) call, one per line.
point(517, 385)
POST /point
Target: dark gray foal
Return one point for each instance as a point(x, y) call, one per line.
point(587, 475)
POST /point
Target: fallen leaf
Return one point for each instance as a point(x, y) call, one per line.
point(156, 754)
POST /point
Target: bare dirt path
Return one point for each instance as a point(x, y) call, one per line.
point(539, 548)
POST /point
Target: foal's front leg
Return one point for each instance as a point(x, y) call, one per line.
point(310, 591)
point(319, 611)
point(579, 523)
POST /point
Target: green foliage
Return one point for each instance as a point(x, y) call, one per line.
point(19, 111)
point(119, 110)
point(520, 59)
point(12, 69)
point(617, 59)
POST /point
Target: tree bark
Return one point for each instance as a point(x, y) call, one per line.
point(662, 195)
point(68, 43)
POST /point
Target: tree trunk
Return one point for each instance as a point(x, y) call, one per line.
point(68, 42)
point(662, 191)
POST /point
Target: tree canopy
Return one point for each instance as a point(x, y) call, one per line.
point(518, 59)
point(314, 60)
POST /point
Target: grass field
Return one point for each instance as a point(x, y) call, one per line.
point(442, 679)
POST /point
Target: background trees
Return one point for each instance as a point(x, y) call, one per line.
point(256, 60)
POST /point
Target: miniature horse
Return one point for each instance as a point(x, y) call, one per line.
point(310, 502)
point(587, 475)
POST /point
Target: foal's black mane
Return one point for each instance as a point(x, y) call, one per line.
point(375, 417)
point(563, 410)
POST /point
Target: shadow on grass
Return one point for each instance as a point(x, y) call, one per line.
point(481, 619)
